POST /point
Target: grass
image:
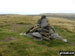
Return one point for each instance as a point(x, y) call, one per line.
point(11, 26)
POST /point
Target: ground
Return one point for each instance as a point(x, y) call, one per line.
point(12, 44)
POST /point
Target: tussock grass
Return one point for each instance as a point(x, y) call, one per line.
point(11, 26)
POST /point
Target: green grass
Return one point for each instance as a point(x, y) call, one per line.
point(66, 34)
point(25, 46)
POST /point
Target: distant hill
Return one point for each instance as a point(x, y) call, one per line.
point(58, 15)
point(61, 15)
point(8, 14)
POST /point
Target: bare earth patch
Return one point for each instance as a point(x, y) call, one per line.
point(9, 39)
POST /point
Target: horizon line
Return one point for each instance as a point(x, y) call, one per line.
point(36, 14)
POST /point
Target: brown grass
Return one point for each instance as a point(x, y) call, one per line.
point(64, 23)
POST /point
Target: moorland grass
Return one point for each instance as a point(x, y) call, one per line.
point(11, 26)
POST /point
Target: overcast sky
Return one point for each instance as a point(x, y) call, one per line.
point(36, 6)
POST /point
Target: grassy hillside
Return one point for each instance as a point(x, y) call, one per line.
point(61, 15)
point(12, 44)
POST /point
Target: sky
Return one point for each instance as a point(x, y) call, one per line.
point(36, 6)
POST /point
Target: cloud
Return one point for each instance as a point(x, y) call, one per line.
point(37, 6)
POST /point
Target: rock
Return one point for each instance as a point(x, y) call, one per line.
point(9, 39)
point(22, 34)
